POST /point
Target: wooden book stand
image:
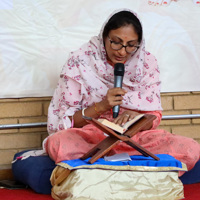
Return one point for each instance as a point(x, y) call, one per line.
point(114, 138)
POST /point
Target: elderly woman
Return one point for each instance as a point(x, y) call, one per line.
point(86, 82)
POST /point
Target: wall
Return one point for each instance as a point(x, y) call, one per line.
point(39, 36)
point(14, 111)
point(182, 104)
point(30, 110)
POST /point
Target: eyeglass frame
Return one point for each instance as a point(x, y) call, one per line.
point(123, 46)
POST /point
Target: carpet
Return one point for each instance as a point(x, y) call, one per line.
point(191, 192)
point(22, 194)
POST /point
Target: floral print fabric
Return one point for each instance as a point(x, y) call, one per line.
point(84, 80)
point(86, 77)
point(73, 143)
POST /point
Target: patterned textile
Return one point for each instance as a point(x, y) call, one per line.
point(136, 163)
point(85, 79)
point(73, 143)
point(141, 178)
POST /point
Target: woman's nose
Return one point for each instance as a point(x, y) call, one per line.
point(122, 51)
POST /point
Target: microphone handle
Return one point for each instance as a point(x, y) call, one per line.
point(115, 111)
point(117, 83)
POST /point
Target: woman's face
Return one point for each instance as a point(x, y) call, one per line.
point(124, 35)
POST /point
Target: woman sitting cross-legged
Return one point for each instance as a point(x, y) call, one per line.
point(86, 82)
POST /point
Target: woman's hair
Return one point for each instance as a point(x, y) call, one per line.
point(121, 19)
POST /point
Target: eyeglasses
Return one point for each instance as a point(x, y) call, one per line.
point(117, 46)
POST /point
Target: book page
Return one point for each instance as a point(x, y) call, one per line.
point(118, 128)
point(129, 123)
point(112, 125)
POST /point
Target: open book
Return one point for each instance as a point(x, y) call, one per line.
point(140, 123)
point(118, 128)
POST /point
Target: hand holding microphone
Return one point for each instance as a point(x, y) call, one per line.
point(118, 79)
point(114, 95)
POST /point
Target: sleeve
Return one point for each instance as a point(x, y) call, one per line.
point(151, 85)
point(67, 99)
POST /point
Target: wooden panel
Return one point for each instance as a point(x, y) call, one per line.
point(6, 174)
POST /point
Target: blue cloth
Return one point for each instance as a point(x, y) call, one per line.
point(165, 161)
point(34, 172)
point(192, 176)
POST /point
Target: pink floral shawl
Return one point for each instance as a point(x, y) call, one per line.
point(86, 77)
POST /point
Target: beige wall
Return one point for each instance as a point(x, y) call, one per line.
point(17, 111)
point(30, 110)
point(182, 104)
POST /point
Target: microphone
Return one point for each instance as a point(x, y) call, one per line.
point(118, 79)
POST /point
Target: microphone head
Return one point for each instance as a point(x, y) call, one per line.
point(119, 69)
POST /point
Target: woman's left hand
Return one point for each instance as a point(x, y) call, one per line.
point(125, 117)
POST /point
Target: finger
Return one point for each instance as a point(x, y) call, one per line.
point(117, 91)
point(118, 98)
point(115, 100)
point(122, 119)
point(131, 117)
point(118, 120)
point(127, 116)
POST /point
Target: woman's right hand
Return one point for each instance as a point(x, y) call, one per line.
point(113, 97)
